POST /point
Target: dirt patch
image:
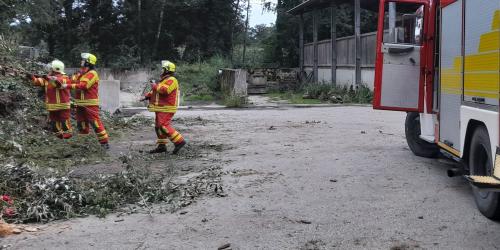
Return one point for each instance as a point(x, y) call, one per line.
point(313, 245)
point(405, 246)
point(265, 178)
point(244, 172)
point(192, 121)
point(9, 103)
point(91, 171)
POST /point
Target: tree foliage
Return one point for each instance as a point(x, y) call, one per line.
point(124, 33)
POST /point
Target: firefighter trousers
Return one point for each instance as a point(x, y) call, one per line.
point(60, 123)
point(87, 116)
point(164, 129)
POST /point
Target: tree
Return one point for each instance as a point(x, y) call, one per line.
point(246, 31)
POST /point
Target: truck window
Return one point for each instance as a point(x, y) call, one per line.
point(404, 23)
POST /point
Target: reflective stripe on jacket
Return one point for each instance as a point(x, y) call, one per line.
point(87, 88)
point(164, 96)
point(55, 98)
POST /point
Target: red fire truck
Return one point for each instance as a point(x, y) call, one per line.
point(438, 60)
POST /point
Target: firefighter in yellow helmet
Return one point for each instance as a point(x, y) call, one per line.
point(86, 84)
point(164, 100)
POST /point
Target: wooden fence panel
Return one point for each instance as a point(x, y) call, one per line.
point(345, 51)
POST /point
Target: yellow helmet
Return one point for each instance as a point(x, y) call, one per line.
point(56, 66)
point(168, 66)
point(87, 57)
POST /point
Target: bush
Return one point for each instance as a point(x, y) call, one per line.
point(363, 95)
point(8, 45)
point(200, 79)
point(338, 94)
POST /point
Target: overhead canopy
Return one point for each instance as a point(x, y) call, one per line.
point(315, 4)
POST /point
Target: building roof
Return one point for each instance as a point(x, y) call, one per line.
point(309, 5)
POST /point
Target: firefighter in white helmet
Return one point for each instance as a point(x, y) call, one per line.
point(57, 98)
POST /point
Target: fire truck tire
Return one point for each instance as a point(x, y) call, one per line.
point(418, 146)
point(480, 163)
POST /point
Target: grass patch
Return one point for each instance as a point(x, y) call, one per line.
point(200, 97)
point(293, 98)
point(234, 101)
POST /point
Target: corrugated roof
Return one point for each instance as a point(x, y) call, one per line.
point(313, 4)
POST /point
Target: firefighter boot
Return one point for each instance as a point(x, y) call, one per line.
point(178, 147)
point(161, 148)
point(105, 146)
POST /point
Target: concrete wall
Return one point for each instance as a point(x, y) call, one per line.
point(129, 84)
point(133, 79)
point(345, 75)
point(109, 95)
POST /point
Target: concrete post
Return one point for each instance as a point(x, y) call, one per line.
point(109, 95)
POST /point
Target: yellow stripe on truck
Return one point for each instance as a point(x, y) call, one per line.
point(481, 70)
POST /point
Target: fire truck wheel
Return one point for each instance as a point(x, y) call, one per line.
point(418, 146)
point(480, 163)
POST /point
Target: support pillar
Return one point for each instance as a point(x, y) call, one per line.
point(315, 45)
point(392, 22)
point(357, 34)
point(333, 36)
point(301, 48)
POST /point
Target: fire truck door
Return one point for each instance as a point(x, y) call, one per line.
point(398, 82)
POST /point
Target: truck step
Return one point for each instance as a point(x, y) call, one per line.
point(488, 182)
point(484, 182)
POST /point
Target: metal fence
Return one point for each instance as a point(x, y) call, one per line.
point(345, 51)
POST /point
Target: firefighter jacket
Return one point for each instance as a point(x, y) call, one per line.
point(164, 96)
point(87, 88)
point(55, 97)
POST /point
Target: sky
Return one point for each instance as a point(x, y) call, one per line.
point(258, 17)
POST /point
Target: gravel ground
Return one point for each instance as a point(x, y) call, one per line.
point(315, 178)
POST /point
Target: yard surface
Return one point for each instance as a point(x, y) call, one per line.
point(297, 178)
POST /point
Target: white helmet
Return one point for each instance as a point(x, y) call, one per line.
point(56, 66)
